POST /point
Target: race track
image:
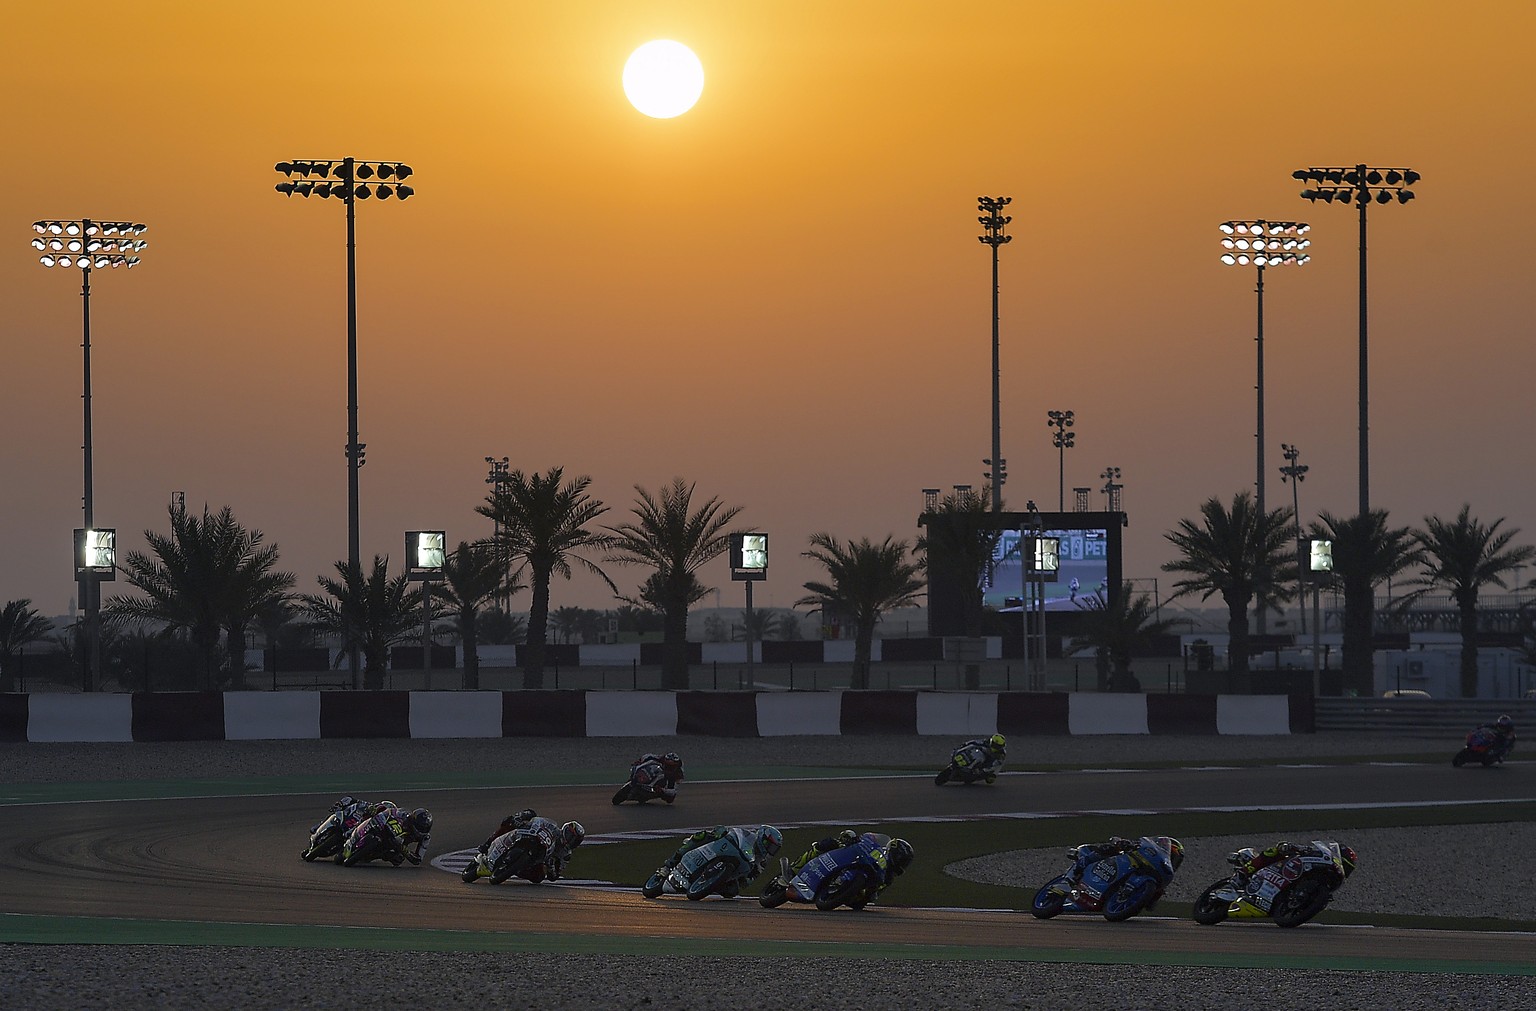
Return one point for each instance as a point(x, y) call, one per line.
point(234, 860)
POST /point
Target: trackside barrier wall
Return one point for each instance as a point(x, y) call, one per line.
point(297, 715)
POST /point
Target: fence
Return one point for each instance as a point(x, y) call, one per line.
point(1427, 717)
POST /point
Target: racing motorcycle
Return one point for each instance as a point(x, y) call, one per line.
point(965, 766)
point(645, 779)
point(1484, 746)
point(374, 839)
point(712, 867)
point(849, 875)
point(327, 837)
point(1290, 891)
point(520, 853)
point(1119, 885)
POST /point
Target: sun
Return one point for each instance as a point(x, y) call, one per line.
point(663, 79)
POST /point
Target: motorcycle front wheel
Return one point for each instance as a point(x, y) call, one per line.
point(775, 894)
point(943, 776)
point(653, 885)
point(1208, 908)
point(1048, 900)
point(621, 796)
point(1461, 757)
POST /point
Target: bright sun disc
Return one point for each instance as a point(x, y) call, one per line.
point(663, 79)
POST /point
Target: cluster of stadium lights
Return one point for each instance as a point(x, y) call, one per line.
point(1358, 182)
point(1265, 243)
point(88, 244)
point(340, 179)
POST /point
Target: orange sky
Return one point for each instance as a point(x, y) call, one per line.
point(778, 295)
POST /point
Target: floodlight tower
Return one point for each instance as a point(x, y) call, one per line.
point(1062, 440)
point(1360, 184)
point(1296, 473)
point(349, 180)
point(88, 244)
point(993, 221)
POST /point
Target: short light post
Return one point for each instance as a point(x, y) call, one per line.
point(1296, 473)
point(89, 244)
point(749, 563)
point(1360, 185)
point(993, 221)
point(1111, 489)
point(1062, 440)
point(349, 180)
point(426, 552)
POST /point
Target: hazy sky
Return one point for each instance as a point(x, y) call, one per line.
point(779, 295)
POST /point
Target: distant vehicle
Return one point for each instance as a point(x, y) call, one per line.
point(1405, 693)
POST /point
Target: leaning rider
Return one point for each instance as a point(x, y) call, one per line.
point(1115, 845)
point(671, 772)
point(565, 838)
point(765, 844)
point(1250, 861)
point(993, 750)
point(1503, 730)
point(898, 855)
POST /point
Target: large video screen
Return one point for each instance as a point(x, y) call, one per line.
point(1083, 571)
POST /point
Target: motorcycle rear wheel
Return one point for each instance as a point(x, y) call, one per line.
point(1129, 898)
point(943, 776)
point(709, 879)
point(1048, 902)
point(1208, 909)
point(1300, 902)
point(829, 898)
point(511, 865)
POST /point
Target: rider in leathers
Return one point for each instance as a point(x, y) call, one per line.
point(765, 845)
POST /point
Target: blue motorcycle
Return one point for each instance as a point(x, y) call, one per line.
point(1118, 885)
point(851, 875)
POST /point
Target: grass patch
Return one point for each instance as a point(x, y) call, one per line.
point(941, 844)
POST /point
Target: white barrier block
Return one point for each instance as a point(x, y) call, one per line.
point(1253, 714)
point(89, 717)
point(964, 714)
point(271, 716)
point(838, 651)
point(631, 714)
point(788, 714)
point(455, 714)
point(1107, 713)
point(609, 654)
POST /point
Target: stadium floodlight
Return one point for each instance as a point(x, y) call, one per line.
point(347, 180)
point(1260, 243)
point(993, 221)
point(1360, 185)
point(78, 244)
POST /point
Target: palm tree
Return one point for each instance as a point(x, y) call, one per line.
point(674, 539)
point(544, 525)
point(211, 574)
point(1366, 553)
point(20, 626)
point(1116, 630)
point(958, 550)
point(473, 578)
point(865, 580)
point(566, 622)
point(1236, 553)
point(372, 615)
point(1463, 556)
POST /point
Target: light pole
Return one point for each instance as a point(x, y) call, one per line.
point(1263, 244)
point(349, 180)
point(88, 245)
point(993, 221)
point(1296, 473)
point(1111, 489)
point(497, 479)
point(1360, 184)
point(1062, 440)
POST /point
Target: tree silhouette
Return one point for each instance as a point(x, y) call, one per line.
point(864, 580)
point(373, 614)
point(20, 626)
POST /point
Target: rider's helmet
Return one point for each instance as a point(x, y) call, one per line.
point(1242, 856)
point(524, 816)
point(899, 853)
point(345, 802)
point(847, 837)
point(1349, 856)
point(1174, 847)
point(421, 821)
point(1504, 723)
point(997, 742)
point(672, 758)
point(571, 833)
point(769, 840)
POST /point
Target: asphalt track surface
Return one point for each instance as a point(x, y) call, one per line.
point(235, 861)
